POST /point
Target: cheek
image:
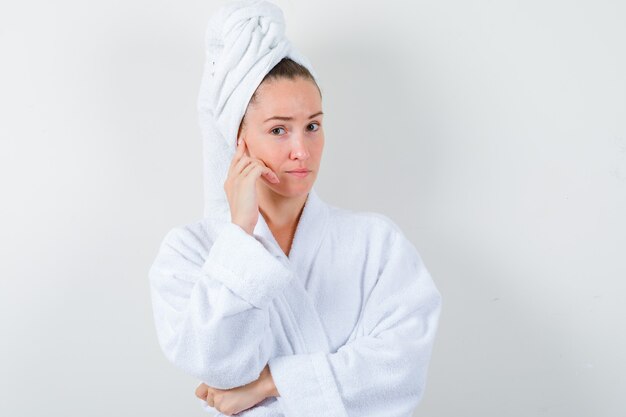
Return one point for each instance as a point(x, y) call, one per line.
point(257, 149)
point(273, 158)
point(318, 148)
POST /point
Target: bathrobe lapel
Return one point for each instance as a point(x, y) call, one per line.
point(310, 231)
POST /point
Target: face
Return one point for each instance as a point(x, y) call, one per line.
point(283, 128)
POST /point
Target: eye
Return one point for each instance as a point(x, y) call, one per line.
point(314, 123)
point(276, 128)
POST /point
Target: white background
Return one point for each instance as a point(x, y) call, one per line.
point(492, 132)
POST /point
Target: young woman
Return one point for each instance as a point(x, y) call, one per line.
point(293, 307)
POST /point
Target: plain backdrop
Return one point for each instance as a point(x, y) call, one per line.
point(492, 132)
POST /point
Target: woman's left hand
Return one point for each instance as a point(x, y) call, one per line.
point(235, 400)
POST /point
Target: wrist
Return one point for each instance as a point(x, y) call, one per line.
point(266, 382)
point(248, 230)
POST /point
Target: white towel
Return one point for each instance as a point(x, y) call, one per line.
point(244, 40)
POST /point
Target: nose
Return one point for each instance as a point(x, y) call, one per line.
point(298, 148)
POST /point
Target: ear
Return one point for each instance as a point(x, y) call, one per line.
point(240, 130)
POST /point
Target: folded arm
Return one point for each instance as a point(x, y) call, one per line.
point(382, 371)
point(211, 309)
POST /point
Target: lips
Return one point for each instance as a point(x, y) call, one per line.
point(300, 173)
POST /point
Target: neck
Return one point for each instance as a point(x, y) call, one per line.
point(280, 212)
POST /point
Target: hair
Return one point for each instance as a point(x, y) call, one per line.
point(286, 68)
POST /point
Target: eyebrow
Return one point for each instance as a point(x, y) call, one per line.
point(291, 118)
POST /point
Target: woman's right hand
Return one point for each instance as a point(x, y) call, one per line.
point(240, 186)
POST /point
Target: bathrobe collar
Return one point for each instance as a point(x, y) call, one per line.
point(308, 236)
point(310, 231)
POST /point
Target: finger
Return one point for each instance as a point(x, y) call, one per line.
point(257, 170)
point(249, 161)
point(257, 160)
point(239, 152)
point(243, 163)
point(244, 166)
point(269, 174)
point(202, 391)
point(244, 173)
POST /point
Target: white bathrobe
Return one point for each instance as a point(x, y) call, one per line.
point(346, 322)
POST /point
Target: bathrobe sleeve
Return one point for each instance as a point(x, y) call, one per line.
point(211, 309)
point(382, 370)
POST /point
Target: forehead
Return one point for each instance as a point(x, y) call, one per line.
point(285, 97)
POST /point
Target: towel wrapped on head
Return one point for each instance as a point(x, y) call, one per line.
point(244, 40)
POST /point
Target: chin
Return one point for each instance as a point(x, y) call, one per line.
point(291, 191)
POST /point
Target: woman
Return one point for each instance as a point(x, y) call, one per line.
point(291, 306)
